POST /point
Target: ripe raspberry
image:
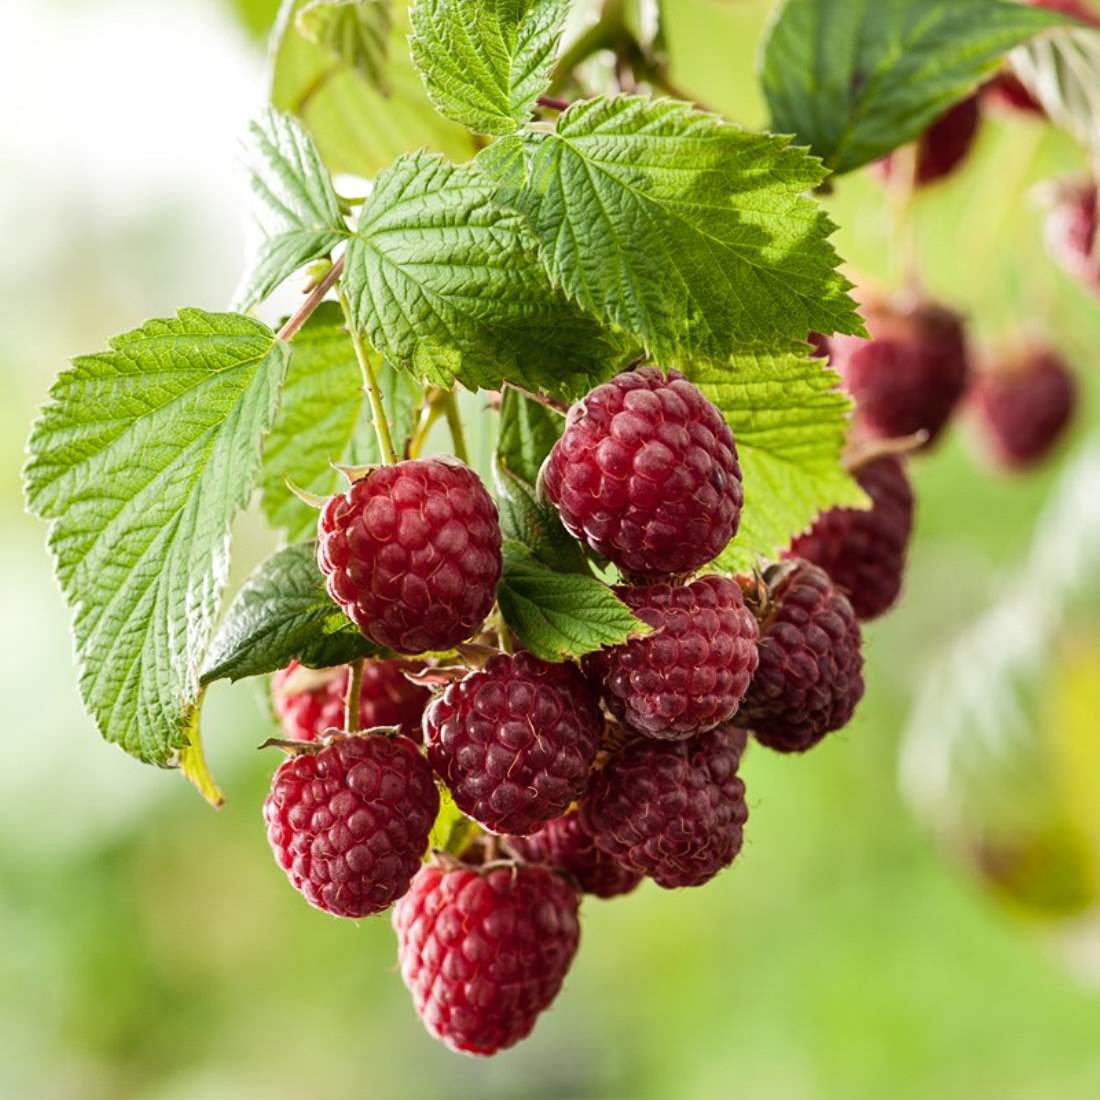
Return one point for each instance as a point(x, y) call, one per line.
point(412, 554)
point(1071, 230)
point(672, 811)
point(944, 145)
point(564, 844)
point(483, 952)
point(864, 552)
point(912, 372)
point(646, 474)
point(1023, 407)
point(515, 741)
point(811, 669)
point(308, 702)
point(349, 823)
point(690, 674)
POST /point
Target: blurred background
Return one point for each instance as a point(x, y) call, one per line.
point(916, 909)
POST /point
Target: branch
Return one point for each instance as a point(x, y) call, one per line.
point(316, 296)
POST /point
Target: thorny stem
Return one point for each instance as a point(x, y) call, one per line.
point(541, 399)
point(454, 424)
point(353, 698)
point(370, 384)
point(313, 300)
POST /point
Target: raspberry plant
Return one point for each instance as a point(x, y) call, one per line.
point(514, 232)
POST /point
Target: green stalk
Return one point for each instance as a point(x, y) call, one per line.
point(370, 385)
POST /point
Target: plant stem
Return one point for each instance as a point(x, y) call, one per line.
point(429, 414)
point(313, 300)
point(370, 385)
point(454, 424)
point(354, 697)
point(551, 403)
point(551, 103)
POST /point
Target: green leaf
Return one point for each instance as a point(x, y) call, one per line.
point(356, 32)
point(325, 418)
point(140, 461)
point(282, 614)
point(295, 212)
point(528, 431)
point(680, 228)
point(485, 62)
point(446, 285)
point(560, 615)
point(358, 128)
point(527, 520)
point(789, 420)
point(452, 830)
point(855, 79)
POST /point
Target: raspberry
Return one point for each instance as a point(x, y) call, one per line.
point(646, 474)
point(864, 552)
point(672, 811)
point(1023, 407)
point(350, 822)
point(308, 702)
point(910, 375)
point(1071, 230)
point(944, 145)
point(690, 674)
point(515, 741)
point(412, 554)
point(483, 952)
point(563, 843)
point(811, 669)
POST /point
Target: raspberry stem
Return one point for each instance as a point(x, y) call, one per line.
point(354, 697)
point(313, 300)
point(454, 425)
point(370, 385)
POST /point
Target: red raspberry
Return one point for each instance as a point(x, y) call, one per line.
point(646, 474)
point(672, 811)
point(864, 552)
point(515, 741)
point(412, 554)
point(1071, 230)
point(944, 145)
point(1023, 406)
point(811, 668)
point(912, 372)
point(692, 671)
point(349, 823)
point(307, 702)
point(563, 843)
point(483, 952)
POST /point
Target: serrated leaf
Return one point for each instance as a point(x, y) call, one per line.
point(528, 431)
point(789, 420)
point(357, 128)
point(558, 616)
point(356, 32)
point(452, 830)
point(855, 79)
point(528, 520)
point(325, 418)
point(685, 231)
point(446, 285)
point(140, 461)
point(282, 614)
point(485, 62)
point(296, 217)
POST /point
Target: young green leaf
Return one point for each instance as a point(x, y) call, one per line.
point(526, 519)
point(856, 80)
point(282, 614)
point(295, 212)
point(446, 285)
point(560, 615)
point(356, 32)
point(485, 62)
point(789, 420)
point(528, 431)
point(682, 229)
point(140, 461)
point(452, 830)
point(324, 418)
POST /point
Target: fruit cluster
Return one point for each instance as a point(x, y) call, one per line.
point(577, 778)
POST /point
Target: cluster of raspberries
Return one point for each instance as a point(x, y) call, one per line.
point(582, 778)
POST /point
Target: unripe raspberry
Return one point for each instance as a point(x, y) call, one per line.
point(1071, 230)
point(910, 375)
point(811, 665)
point(411, 552)
point(944, 145)
point(515, 741)
point(864, 551)
point(563, 843)
point(671, 810)
point(690, 674)
point(349, 823)
point(484, 952)
point(646, 474)
point(307, 702)
point(1023, 406)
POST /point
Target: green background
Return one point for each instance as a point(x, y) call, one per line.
point(152, 949)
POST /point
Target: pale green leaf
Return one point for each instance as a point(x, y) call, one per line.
point(140, 461)
point(356, 32)
point(452, 830)
point(485, 62)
